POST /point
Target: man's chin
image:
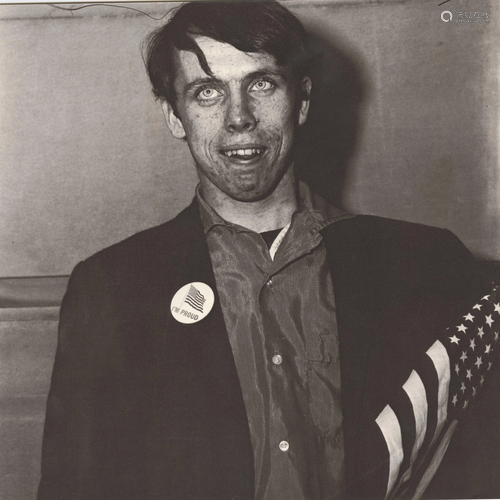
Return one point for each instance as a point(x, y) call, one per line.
point(250, 193)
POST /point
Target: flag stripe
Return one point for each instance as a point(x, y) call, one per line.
point(427, 372)
point(415, 389)
point(391, 430)
point(403, 409)
point(435, 462)
point(195, 299)
point(423, 386)
point(372, 482)
point(193, 304)
point(439, 357)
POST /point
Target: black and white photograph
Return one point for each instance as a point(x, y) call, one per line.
point(250, 250)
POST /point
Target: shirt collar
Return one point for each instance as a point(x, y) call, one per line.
point(312, 207)
point(209, 217)
point(316, 209)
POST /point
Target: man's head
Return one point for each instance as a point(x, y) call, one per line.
point(232, 79)
point(250, 27)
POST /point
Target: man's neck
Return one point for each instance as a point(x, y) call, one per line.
point(273, 212)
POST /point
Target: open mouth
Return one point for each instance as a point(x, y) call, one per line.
point(243, 153)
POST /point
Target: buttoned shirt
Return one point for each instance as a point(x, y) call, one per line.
point(279, 310)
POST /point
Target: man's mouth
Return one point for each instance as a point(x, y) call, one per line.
point(243, 153)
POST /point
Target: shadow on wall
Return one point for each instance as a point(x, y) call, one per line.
point(329, 138)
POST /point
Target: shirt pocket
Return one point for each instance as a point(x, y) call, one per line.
point(323, 348)
point(324, 384)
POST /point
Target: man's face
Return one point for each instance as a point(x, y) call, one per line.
point(240, 124)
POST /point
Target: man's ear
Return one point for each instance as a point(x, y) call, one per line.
point(305, 96)
point(173, 121)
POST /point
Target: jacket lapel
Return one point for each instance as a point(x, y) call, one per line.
point(210, 333)
point(204, 356)
point(352, 301)
point(346, 254)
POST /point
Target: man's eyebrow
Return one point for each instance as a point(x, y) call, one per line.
point(202, 81)
point(251, 76)
point(271, 73)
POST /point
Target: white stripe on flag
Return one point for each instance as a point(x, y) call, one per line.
point(391, 430)
point(435, 462)
point(415, 389)
point(439, 357)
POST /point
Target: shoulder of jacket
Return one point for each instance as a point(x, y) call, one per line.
point(375, 222)
point(168, 238)
point(375, 229)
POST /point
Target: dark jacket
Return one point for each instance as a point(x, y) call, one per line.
point(144, 407)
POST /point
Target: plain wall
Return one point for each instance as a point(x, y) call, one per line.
point(86, 159)
point(427, 145)
point(85, 156)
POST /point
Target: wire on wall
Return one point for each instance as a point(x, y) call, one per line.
point(72, 9)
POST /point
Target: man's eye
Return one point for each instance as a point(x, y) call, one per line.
point(262, 85)
point(208, 93)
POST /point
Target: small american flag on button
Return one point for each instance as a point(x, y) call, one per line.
point(195, 298)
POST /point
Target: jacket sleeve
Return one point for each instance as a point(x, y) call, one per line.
point(429, 281)
point(67, 439)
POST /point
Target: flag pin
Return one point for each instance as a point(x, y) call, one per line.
point(192, 302)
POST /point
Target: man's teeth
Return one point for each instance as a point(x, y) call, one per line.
point(243, 152)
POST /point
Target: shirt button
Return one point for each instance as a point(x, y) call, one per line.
point(277, 359)
point(284, 446)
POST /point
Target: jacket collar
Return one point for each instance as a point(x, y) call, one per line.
point(311, 205)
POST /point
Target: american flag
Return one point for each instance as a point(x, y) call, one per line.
point(195, 299)
point(418, 423)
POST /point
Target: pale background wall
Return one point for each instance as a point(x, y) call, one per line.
point(85, 158)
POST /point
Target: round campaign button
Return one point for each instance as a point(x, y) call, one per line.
point(192, 302)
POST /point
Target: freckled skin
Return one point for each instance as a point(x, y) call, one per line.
point(249, 102)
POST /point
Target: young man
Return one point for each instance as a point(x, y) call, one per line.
point(246, 348)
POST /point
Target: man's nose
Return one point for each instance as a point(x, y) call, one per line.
point(239, 115)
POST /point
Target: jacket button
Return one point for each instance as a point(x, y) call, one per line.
point(277, 359)
point(284, 446)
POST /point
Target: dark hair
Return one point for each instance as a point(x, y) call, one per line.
point(248, 26)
